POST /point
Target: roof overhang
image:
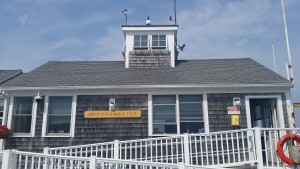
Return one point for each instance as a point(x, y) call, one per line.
point(171, 86)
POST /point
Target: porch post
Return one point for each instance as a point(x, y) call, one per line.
point(116, 149)
point(46, 164)
point(93, 162)
point(9, 159)
point(258, 148)
point(186, 148)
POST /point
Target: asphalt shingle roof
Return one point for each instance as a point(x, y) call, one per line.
point(113, 73)
point(8, 74)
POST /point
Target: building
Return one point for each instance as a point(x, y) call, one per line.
point(6, 75)
point(151, 93)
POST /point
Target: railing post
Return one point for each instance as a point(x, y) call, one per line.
point(186, 148)
point(258, 148)
point(116, 149)
point(181, 165)
point(9, 159)
point(46, 165)
point(93, 162)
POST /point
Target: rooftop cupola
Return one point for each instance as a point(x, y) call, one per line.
point(150, 46)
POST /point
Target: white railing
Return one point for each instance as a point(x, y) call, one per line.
point(269, 138)
point(24, 160)
point(210, 150)
point(216, 149)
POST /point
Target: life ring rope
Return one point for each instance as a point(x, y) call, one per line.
point(280, 152)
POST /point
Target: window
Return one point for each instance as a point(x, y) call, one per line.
point(22, 114)
point(191, 116)
point(164, 114)
point(1, 109)
point(159, 41)
point(140, 41)
point(59, 115)
point(189, 111)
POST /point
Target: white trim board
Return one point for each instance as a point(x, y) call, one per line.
point(279, 108)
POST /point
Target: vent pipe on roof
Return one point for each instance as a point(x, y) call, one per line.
point(148, 22)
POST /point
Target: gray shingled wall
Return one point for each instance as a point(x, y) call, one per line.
point(220, 120)
point(89, 131)
point(150, 59)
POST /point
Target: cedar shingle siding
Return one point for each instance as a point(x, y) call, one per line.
point(219, 120)
point(89, 131)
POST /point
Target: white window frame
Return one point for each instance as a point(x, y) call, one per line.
point(140, 42)
point(158, 41)
point(279, 108)
point(150, 112)
point(33, 120)
point(72, 122)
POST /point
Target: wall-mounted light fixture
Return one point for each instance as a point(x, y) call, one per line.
point(237, 101)
point(38, 97)
point(112, 104)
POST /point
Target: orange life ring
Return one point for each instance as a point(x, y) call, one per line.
point(280, 145)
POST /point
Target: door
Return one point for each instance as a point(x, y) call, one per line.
point(263, 113)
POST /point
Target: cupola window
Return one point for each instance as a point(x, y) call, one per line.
point(159, 41)
point(140, 41)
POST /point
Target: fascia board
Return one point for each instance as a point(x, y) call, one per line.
point(207, 86)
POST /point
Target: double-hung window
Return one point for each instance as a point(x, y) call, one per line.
point(59, 115)
point(175, 114)
point(140, 41)
point(159, 41)
point(22, 115)
point(164, 114)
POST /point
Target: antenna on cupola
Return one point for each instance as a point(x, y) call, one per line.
point(125, 13)
point(170, 17)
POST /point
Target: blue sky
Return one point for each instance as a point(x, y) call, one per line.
point(36, 31)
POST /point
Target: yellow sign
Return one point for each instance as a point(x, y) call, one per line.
point(235, 120)
point(296, 105)
point(113, 114)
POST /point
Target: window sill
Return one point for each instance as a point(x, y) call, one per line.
point(163, 135)
point(57, 135)
point(21, 135)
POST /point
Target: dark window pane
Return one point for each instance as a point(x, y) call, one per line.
point(192, 127)
point(60, 105)
point(164, 118)
point(191, 107)
point(144, 38)
point(1, 108)
point(144, 43)
point(154, 43)
point(190, 98)
point(158, 109)
point(137, 38)
point(136, 44)
point(165, 99)
point(161, 129)
point(23, 105)
point(162, 37)
point(21, 124)
point(155, 37)
point(162, 43)
point(59, 124)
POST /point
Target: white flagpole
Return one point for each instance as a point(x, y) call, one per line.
point(274, 59)
point(290, 67)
